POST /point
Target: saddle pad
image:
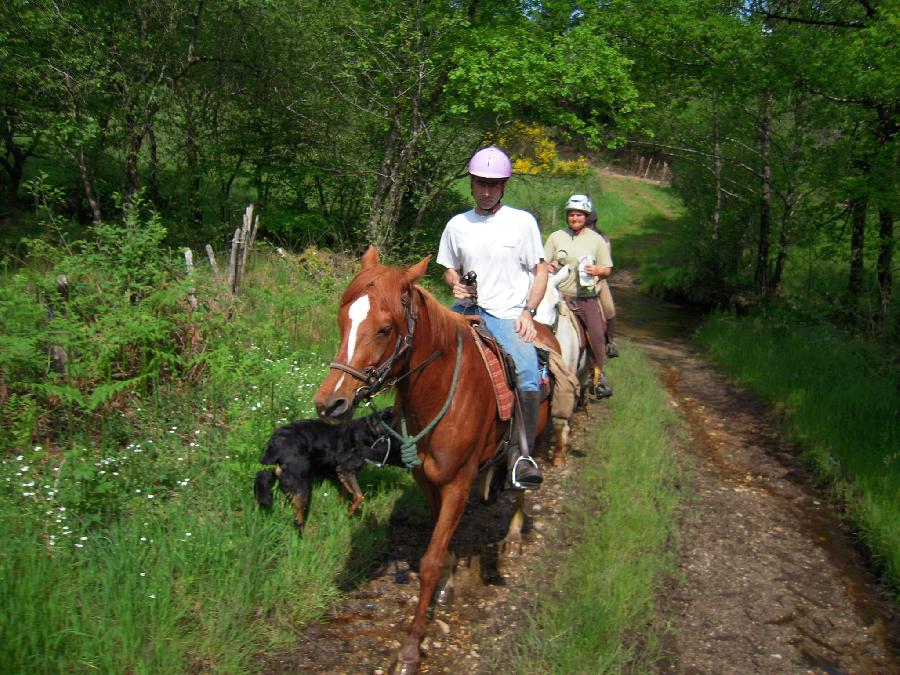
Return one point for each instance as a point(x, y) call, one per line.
point(502, 391)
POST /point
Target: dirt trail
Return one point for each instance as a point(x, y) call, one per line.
point(491, 597)
point(771, 583)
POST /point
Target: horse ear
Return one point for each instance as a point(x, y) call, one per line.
point(417, 271)
point(370, 258)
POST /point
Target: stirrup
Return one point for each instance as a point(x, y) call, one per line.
point(533, 482)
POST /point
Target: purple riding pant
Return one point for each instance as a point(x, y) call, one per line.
point(591, 318)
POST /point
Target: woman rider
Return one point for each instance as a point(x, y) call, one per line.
point(587, 254)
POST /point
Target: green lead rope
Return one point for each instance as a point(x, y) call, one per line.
point(409, 453)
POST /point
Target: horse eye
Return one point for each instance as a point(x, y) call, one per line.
point(384, 330)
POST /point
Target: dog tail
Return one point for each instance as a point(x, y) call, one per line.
point(262, 487)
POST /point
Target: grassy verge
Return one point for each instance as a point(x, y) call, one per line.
point(619, 541)
point(131, 541)
point(839, 401)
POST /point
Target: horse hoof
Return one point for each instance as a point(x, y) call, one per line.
point(559, 459)
point(444, 596)
point(405, 668)
point(511, 548)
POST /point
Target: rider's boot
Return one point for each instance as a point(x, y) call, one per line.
point(612, 349)
point(525, 473)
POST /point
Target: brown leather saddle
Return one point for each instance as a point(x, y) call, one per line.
point(502, 369)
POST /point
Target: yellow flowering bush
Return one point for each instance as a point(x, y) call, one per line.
point(533, 152)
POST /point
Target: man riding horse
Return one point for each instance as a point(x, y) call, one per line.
point(502, 245)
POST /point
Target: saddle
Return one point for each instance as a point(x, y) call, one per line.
point(501, 368)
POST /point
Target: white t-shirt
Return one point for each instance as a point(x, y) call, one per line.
point(502, 249)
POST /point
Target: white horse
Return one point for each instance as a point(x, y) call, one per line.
point(553, 312)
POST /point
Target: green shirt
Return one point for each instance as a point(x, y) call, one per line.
point(586, 243)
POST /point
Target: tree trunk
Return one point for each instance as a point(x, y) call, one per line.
point(857, 241)
point(88, 186)
point(153, 169)
point(14, 162)
point(765, 197)
point(789, 201)
point(717, 169)
point(885, 261)
point(383, 186)
point(135, 139)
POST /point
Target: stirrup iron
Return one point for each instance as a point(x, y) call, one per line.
point(512, 477)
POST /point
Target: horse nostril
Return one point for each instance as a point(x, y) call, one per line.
point(337, 408)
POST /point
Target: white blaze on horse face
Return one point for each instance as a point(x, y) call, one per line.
point(359, 310)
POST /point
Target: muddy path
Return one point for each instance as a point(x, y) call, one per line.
point(770, 582)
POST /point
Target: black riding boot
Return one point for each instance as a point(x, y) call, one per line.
point(525, 473)
point(612, 349)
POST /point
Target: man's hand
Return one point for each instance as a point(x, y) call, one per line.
point(525, 327)
point(597, 271)
point(460, 291)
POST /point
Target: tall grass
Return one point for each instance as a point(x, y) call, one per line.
point(135, 545)
point(618, 545)
point(839, 400)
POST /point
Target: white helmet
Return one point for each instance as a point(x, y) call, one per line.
point(579, 203)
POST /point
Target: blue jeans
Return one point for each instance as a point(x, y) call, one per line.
point(523, 354)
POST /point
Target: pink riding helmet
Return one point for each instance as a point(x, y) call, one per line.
point(490, 162)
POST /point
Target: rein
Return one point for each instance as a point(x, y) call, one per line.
point(409, 453)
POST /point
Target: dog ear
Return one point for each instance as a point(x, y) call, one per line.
point(262, 487)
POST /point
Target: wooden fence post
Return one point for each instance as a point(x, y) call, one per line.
point(59, 357)
point(215, 267)
point(189, 264)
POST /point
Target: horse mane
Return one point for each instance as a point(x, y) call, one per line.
point(442, 321)
point(391, 284)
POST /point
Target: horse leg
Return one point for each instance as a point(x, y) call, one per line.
point(511, 545)
point(452, 506)
point(561, 440)
point(443, 594)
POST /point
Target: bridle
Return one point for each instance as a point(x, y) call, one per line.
point(374, 378)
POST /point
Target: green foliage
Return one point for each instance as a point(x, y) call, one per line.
point(133, 543)
point(119, 318)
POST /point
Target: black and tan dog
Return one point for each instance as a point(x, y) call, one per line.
point(306, 449)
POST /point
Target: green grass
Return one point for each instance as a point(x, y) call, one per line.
point(132, 541)
point(618, 543)
point(838, 398)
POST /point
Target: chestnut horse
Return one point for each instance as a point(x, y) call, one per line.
point(393, 332)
